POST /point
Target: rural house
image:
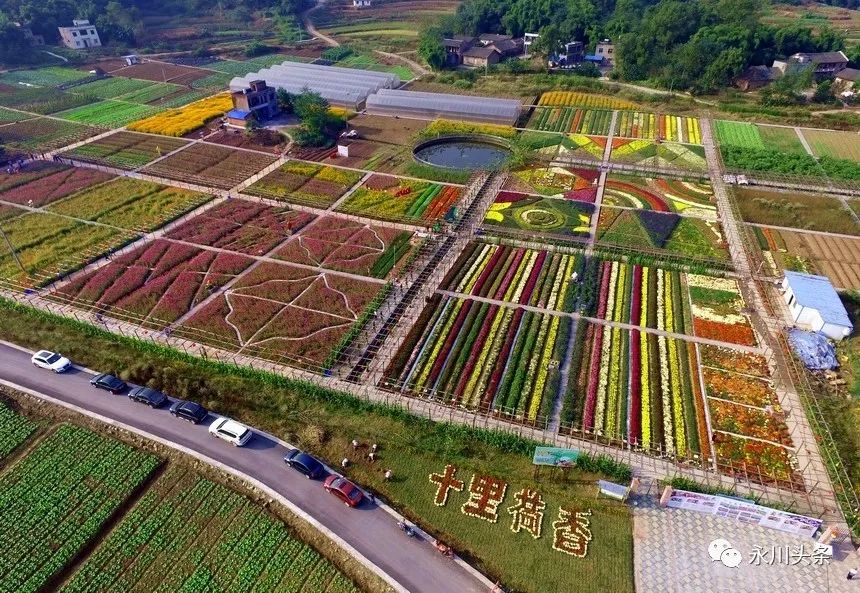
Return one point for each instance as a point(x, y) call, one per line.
point(505, 44)
point(256, 101)
point(455, 47)
point(361, 3)
point(754, 77)
point(824, 65)
point(80, 35)
point(481, 57)
point(815, 305)
point(605, 50)
point(846, 80)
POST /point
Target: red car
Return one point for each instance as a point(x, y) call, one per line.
point(346, 491)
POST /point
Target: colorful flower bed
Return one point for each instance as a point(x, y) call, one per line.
point(156, 284)
point(130, 203)
point(662, 195)
point(348, 246)
point(283, 313)
point(178, 122)
point(482, 356)
point(717, 306)
point(208, 164)
point(568, 98)
point(306, 183)
point(126, 150)
point(732, 360)
point(568, 182)
point(652, 126)
point(242, 226)
point(756, 460)
point(50, 188)
point(635, 385)
point(567, 119)
point(685, 236)
point(552, 216)
point(664, 154)
point(583, 147)
point(403, 200)
point(488, 271)
point(739, 388)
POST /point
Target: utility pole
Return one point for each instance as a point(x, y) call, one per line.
point(12, 250)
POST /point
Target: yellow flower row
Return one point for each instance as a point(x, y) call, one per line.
point(570, 99)
point(178, 122)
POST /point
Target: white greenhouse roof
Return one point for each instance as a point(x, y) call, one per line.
point(433, 105)
point(340, 86)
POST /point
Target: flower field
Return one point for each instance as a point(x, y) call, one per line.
point(48, 246)
point(717, 306)
point(154, 285)
point(567, 119)
point(130, 204)
point(573, 99)
point(393, 198)
point(43, 134)
point(189, 534)
point(125, 150)
point(635, 385)
point(57, 498)
point(653, 126)
point(211, 165)
point(242, 226)
point(54, 186)
point(178, 122)
point(490, 270)
point(109, 113)
point(662, 195)
point(551, 216)
point(30, 172)
point(347, 246)
point(305, 183)
point(14, 430)
point(283, 313)
point(665, 154)
point(562, 182)
point(683, 236)
point(583, 147)
point(481, 356)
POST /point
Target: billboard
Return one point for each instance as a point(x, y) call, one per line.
point(555, 456)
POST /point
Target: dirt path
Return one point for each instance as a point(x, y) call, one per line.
point(416, 67)
point(309, 26)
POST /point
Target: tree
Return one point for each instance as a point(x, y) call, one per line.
point(255, 48)
point(285, 100)
point(319, 125)
point(823, 92)
point(430, 48)
point(14, 45)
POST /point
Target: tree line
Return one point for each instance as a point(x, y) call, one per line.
point(696, 45)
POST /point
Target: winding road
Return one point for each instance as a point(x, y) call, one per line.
point(411, 565)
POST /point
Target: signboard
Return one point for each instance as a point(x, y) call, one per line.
point(744, 511)
point(555, 456)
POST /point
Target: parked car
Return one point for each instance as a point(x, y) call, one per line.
point(146, 395)
point(350, 494)
point(45, 359)
point(109, 383)
point(304, 463)
point(189, 411)
point(235, 433)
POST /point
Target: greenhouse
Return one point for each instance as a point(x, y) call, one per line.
point(344, 87)
point(439, 105)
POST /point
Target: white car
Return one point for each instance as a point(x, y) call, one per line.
point(52, 361)
point(235, 433)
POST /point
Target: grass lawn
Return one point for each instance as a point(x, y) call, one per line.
point(802, 211)
point(325, 422)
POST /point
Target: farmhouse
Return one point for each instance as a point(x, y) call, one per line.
point(754, 77)
point(815, 305)
point(505, 44)
point(257, 100)
point(847, 79)
point(481, 57)
point(824, 65)
point(80, 35)
point(455, 47)
point(605, 50)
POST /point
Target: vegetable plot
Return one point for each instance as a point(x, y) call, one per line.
point(57, 499)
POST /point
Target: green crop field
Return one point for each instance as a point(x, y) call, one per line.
point(51, 76)
point(112, 114)
point(126, 150)
point(840, 145)
point(58, 498)
point(190, 534)
point(14, 430)
point(740, 134)
point(110, 88)
point(152, 93)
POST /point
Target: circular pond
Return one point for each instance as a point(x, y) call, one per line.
point(464, 152)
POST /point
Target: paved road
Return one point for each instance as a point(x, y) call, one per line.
point(415, 564)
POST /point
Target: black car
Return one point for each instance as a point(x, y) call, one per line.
point(304, 463)
point(108, 383)
point(190, 411)
point(145, 395)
